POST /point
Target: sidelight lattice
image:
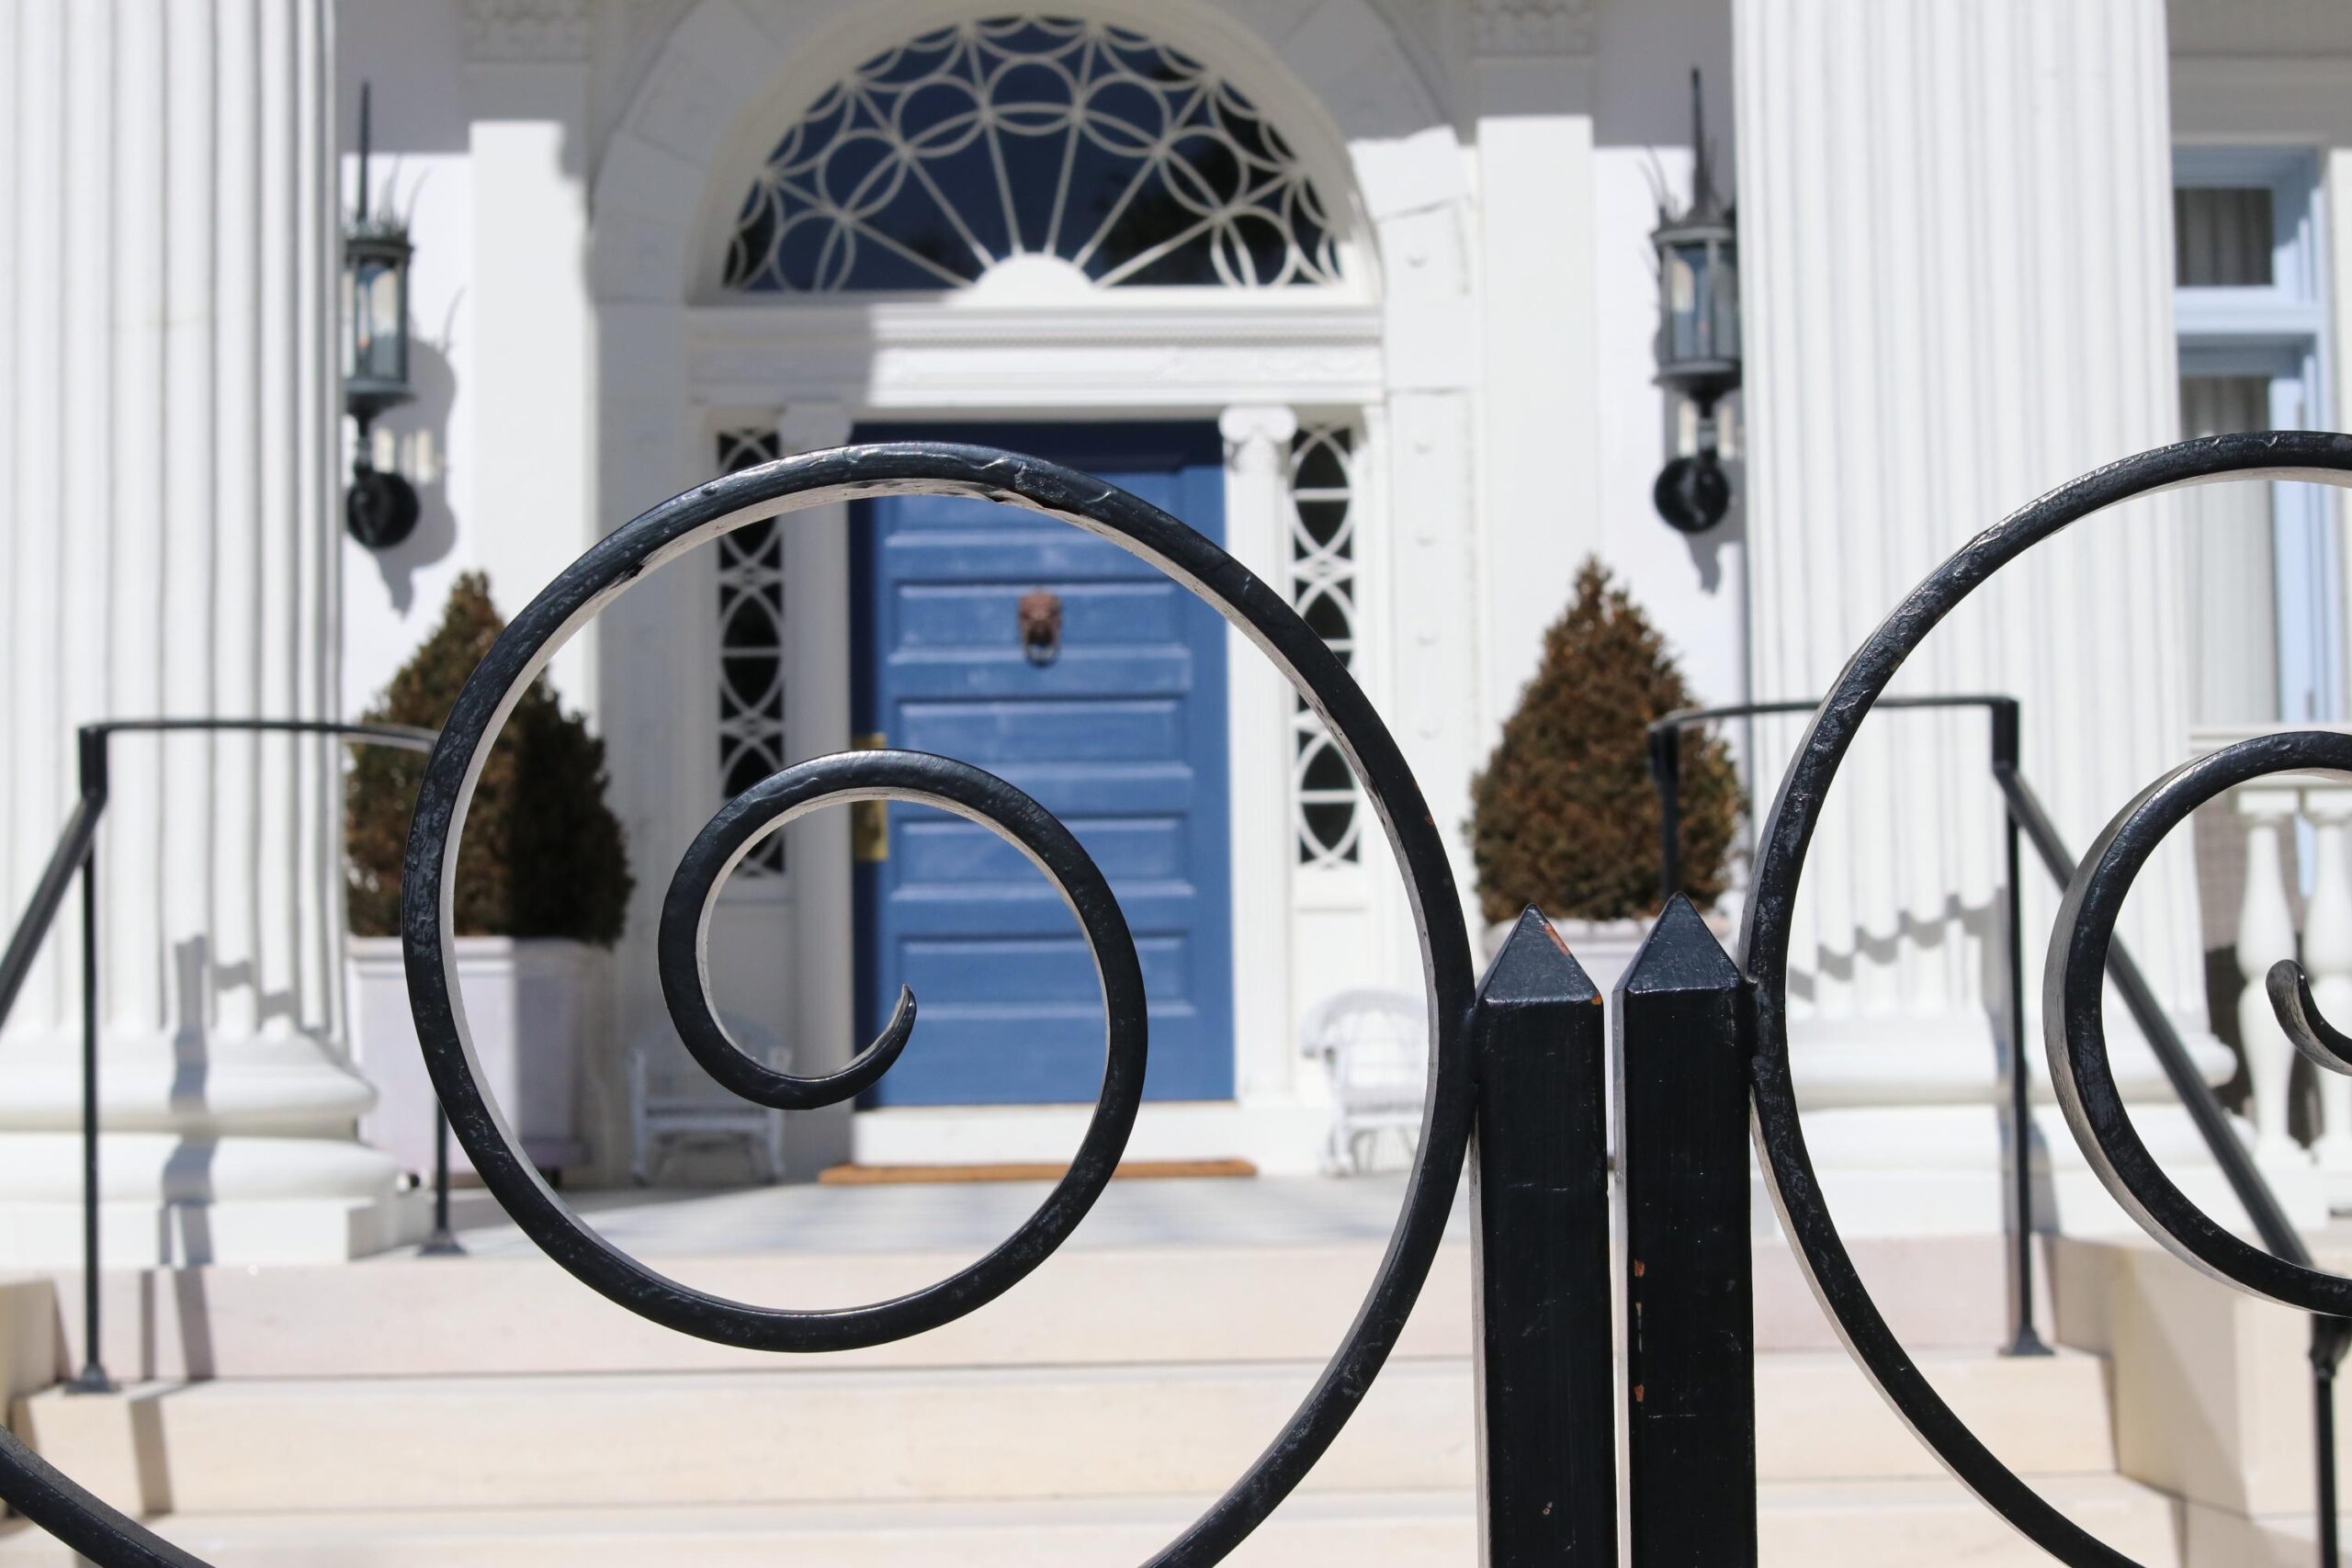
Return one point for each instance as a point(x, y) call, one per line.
point(751, 646)
point(1328, 802)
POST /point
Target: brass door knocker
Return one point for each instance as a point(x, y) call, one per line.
point(1040, 617)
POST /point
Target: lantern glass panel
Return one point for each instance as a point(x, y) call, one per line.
point(1684, 272)
point(376, 307)
point(1722, 294)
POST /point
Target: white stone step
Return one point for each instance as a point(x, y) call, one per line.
point(996, 1434)
point(398, 1317)
point(1864, 1524)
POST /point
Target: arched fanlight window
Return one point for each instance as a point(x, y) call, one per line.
point(1030, 136)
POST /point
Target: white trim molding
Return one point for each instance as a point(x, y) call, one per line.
point(1515, 29)
point(924, 354)
point(505, 31)
point(1256, 452)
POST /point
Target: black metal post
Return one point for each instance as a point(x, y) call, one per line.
point(443, 1242)
point(2330, 1337)
point(1682, 1025)
point(2024, 1339)
point(1539, 1192)
point(1666, 773)
point(92, 757)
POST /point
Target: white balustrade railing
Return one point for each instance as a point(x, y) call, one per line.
point(2295, 826)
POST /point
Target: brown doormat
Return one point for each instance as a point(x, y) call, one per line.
point(1129, 1170)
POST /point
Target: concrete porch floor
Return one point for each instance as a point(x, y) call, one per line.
point(970, 1217)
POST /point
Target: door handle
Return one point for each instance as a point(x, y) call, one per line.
point(1039, 619)
point(869, 820)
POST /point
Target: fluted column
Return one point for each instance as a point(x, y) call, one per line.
point(168, 256)
point(1956, 248)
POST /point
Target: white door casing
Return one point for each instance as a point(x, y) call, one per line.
point(677, 351)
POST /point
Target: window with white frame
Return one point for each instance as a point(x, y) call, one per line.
point(751, 647)
point(1323, 516)
point(2266, 622)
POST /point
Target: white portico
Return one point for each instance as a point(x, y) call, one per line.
point(1415, 361)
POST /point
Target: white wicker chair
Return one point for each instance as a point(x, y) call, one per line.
point(1376, 1046)
point(664, 1116)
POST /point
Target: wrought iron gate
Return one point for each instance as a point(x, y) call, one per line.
point(1516, 1065)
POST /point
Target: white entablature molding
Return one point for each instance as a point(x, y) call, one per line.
point(1210, 353)
point(1514, 29)
point(508, 30)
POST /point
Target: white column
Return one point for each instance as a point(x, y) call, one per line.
point(1259, 704)
point(533, 386)
point(168, 256)
point(816, 847)
point(1956, 260)
point(2327, 956)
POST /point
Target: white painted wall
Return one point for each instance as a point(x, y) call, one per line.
point(411, 55)
point(1573, 155)
point(1694, 587)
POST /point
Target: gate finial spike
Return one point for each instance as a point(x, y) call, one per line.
point(1679, 954)
point(1535, 966)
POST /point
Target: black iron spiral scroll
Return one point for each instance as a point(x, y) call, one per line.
point(2073, 982)
point(793, 485)
point(2072, 1017)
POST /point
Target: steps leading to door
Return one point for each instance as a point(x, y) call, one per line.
point(492, 1409)
point(1800, 1526)
point(396, 1317)
point(976, 1434)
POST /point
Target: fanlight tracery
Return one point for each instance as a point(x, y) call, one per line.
point(1030, 136)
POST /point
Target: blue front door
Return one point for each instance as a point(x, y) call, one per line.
point(1122, 735)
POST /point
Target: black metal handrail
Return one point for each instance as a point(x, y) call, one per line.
point(2026, 816)
point(77, 851)
point(1666, 773)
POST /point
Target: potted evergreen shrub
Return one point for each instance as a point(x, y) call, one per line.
point(1564, 816)
point(542, 889)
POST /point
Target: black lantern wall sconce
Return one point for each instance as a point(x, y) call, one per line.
point(1698, 335)
point(381, 508)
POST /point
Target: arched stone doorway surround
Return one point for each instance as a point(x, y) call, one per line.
point(1390, 349)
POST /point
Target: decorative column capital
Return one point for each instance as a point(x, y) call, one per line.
point(504, 31)
point(1514, 28)
point(1255, 434)
point(812, 427)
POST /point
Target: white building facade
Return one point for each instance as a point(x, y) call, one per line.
point(1364, 287)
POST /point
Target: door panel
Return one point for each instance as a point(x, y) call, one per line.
point(1122, 735)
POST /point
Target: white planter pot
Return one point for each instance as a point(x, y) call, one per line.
point(1605, 948)
point(527, 1006)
